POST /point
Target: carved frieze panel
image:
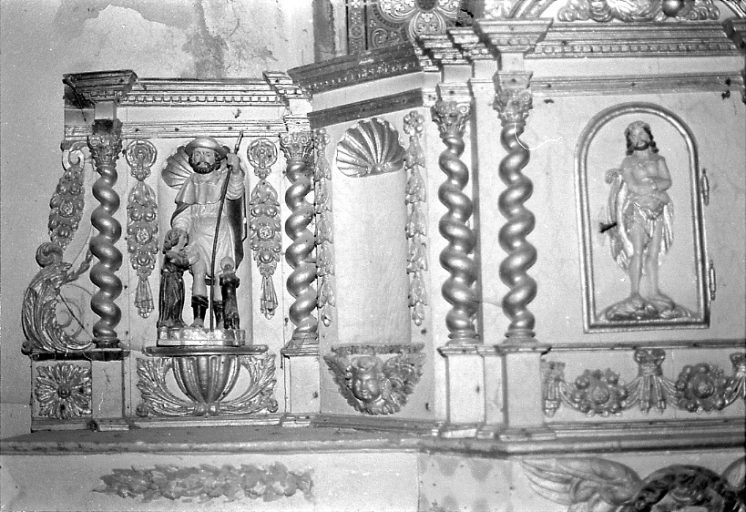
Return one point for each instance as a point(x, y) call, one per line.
point(594, 483)
point(639, 10)
point(206, 483)
point(643, 265)
point(372, 385)
point(702, 387)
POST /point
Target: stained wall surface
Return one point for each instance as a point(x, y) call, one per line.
point(43, 40)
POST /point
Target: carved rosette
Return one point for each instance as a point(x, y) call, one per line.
point(63, 391)
point(105, 144)
point(698, 388)
point(205, 381)
point(604, 11)
point(593, 483)
point(458, 289)
point(372, 385)
point(701, 388)
point(142, 222)
point(298, 150)
point(68, 199)
point(264, 223)
point(416, 229)
point(205, 483)
point(326, 301)
point(421, 17)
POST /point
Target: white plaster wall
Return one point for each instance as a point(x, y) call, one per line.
point(43, 39)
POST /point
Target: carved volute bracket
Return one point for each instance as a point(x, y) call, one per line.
point(298, 149)
point(451, 112)
point(513, 102)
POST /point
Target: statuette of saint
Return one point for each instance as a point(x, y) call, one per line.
point(641, 220)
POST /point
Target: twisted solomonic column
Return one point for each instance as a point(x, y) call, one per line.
point(298, 148)
point(105, 144)
point(512, 102)
point(458, 289)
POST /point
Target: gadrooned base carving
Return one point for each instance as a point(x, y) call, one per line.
point(374, 386)
point(205, 378)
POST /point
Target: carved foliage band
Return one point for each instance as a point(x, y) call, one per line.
point(205, 381)
point(638, 11)
point(374, 386)
point(416, 229)
point(513, 101)
point(142, 222)
point(264, 211)
point(208, 483)
point(698, 388)
point(324, 230)
point(458, 289)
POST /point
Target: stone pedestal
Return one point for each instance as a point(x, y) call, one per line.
point(301, 371)
point(465, 390)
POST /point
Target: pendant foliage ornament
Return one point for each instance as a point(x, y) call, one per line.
point(264, 224)
point(142, 222)
point(326, 301)
point(63, 391)
point(68, 199)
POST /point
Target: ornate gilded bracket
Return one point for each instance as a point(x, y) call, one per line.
point(205, 379)
point(326, 301)
point(702, 387)
point(374, 386)
point(264, 223)
point(416, 229)
point(451, 117)
point(593, 483)
point(142, 222)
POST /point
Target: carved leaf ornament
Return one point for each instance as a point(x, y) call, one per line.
point(370, 147)
point(638, 10)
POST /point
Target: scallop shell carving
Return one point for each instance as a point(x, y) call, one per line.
point(370, 147)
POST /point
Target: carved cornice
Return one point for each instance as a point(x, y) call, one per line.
point(513, 36)
point(185, 129)
point(284, 86)
point(441, 49)
point(736, 30)
point(661, 84)
point(101, 86)
point(699, 39)
point(471, 46)
point(357, 69)
point(199, 93)
point(369, 108)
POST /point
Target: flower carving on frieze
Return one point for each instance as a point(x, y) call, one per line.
point(63, 391)
point(370, 384)
point(599, 392)
point(701, 387)
point(422, 16)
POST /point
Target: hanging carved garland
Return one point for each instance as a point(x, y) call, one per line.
point(68, 199)
point(142, 222)
point(416, 229)
point(326, 301)
point(264, 224)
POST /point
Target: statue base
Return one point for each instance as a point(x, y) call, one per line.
point(200, 337)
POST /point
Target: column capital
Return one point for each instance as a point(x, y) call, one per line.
point(513, 98)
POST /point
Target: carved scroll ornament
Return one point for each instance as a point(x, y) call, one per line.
point(698, 388)
point(206, 483)
point(603, 485)
point(264, 224)
point(370, 147)
point(374, 386)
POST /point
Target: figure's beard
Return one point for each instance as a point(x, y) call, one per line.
point(205, 167)
point(642, 145)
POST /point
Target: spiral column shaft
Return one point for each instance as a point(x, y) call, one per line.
point(513, 102)
point(458, 289)
point(297, 148)
point(105, 144)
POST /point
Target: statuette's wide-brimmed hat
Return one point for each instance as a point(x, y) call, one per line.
point(206, 143)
